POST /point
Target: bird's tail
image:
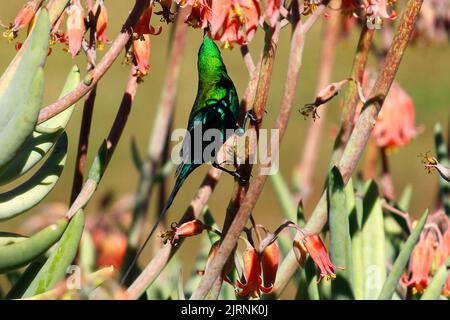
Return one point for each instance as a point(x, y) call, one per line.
point(184, 171)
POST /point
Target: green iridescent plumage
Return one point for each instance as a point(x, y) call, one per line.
point(216, 107)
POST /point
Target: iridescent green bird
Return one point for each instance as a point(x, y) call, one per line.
point(216, 107)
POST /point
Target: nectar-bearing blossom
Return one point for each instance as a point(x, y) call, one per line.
point(23, 19)
point(187, 229)
point(75, 27)
point(141, 41)
point(253, 284)
point(421, 261)
point(314, 245)
point(395, 126)
point(272, 11)
point(201, 13)
point(270, 260)
point(234, 21)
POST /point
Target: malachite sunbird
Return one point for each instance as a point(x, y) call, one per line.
point(216, 107)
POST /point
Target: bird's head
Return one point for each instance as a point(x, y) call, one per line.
point(209, 58)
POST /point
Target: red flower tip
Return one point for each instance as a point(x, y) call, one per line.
point(25, 15)
point(102, 22)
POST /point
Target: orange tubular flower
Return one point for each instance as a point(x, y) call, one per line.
point(102, 22)
point(75, 27)
point(318, 252)
point(441, 255)
point(141, 41)
point(270, 260)
point(230, 17)
point(395, 126)
point(187, 229)
point(420, 264)
point(252, 273)
point(272, 11)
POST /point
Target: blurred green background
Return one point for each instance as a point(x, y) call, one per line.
point(424, 73)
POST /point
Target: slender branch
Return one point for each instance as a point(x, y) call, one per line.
point(255, 189)
point(155, 147)
point(114, 135)
point(247, 59)
point(163, 256)
point(306, 168)
point(362, 131)
point(102, 67)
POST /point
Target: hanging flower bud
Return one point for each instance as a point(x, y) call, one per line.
point(187, 229)
point(102, 23)
point(75, 27)
point(141, 49)
point(252, 273)
point(25, 15)
point(200, 14)
point(270, 260)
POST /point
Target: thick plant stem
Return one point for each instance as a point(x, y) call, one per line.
point(102, 67)
point(229, 242)
point(362, 130)
point(306, 168)
point(155, 147)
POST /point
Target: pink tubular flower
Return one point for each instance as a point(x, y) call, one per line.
point(234, 21)
point(395, 126)
point(75, 27)
point(314, 246)
point(25, 15)
point(420, 264)
point(187, 229)
point(252, 273)
point(200, 14)
point(272, 11)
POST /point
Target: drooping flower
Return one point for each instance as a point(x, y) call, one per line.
point(187, 229)
point(377, 11)
point(272, 11)
point(102, 22)
point(234, 21)
point(396, 123)
point(421, 261)
point(141, 42)
point(252, 272)
point(314, 246)
point(442, 253)
point(270, 260)
point(75, 27)
point(201, 13)
point(165, 12)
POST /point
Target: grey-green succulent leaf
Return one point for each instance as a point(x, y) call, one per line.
point(21, 90)
point(56, 266)
point(30, 193)
point(42, 139)
point(19, 254)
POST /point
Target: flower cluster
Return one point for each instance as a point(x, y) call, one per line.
point(429, 254)
point(230, 21)
point(373, 11)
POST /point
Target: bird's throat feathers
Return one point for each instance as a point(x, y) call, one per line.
point(210, 64)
